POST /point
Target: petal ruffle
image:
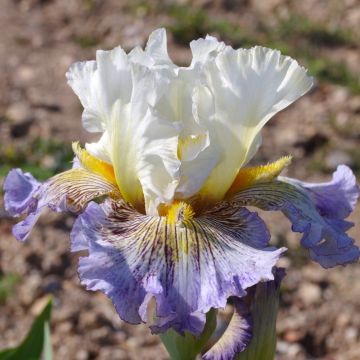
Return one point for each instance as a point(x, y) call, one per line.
point(67, 191)
point(337, 198)
point(247, 87)
point(187, 268)
point(98, 84)
point(312, 213)
point(20, 190)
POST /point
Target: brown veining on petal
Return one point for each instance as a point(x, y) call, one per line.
point(77, 187)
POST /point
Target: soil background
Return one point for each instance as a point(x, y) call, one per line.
point(319, 316)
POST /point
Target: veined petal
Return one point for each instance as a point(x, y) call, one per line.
point(246, 88)
point(187, 267)
point(322, 225)
point(94, 164)
point(70, 190)
point(74, 188)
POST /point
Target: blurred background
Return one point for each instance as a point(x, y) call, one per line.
point(319, 316)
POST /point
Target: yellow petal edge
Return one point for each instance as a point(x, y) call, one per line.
point(93, 164)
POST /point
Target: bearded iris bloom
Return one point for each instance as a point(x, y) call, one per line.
point(162, 197)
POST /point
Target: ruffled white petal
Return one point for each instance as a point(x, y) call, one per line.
point(156, 48)
point(203, 49)
point(99, 84)
point(155, 54)
point(247, 88)
point(144, 146)
point(197, 153)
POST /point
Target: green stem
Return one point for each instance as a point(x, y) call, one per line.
point(264, 307)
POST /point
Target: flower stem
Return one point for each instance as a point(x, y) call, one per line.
point(264, 307)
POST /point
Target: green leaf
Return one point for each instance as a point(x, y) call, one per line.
point(37, 344)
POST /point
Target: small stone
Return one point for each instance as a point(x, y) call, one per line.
point(293, 336)
point(309, 293)
point(24, 75)
point(284, 262)
point(82, 355)
point(19, 112)
point(351, 334)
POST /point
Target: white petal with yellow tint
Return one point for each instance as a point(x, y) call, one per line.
point(94, 164)
point(178, 104)
point(144, 146)
point(247, 87)
point(102, 148)
point(200, 159)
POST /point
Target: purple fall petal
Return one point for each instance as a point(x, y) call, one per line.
point(187, 269)
point(22, 194)
point(67, 191)
point(313, 213)
point(335, 199)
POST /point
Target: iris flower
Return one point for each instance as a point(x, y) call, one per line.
point(162, 197)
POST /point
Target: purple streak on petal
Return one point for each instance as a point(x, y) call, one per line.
point(134, 258)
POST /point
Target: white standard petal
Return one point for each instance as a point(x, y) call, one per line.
point(144, 146)
point(99, 84)
point(195, 151)
point(156, 48)
point(155, 54)
point(203, 49)
point(243, 90)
